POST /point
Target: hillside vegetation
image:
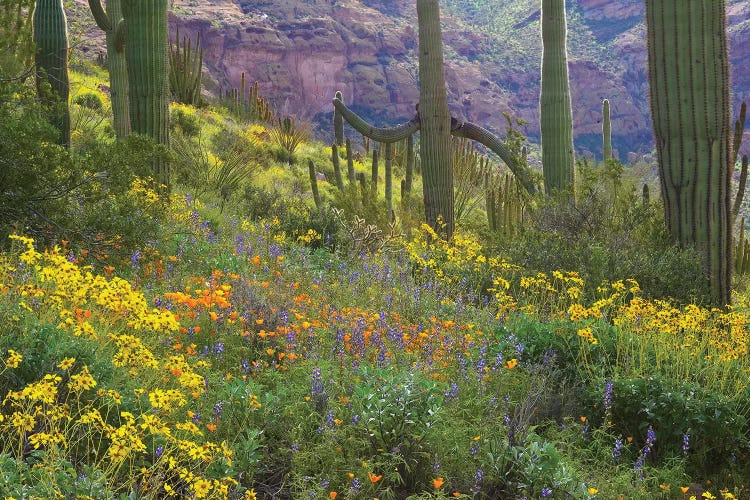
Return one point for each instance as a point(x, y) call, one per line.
point(273, 320)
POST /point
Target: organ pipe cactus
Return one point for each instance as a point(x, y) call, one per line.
point(606, 131)
point(246, 102)
point(185, 69)
point(51, 39)
point(350, 162)
point(555, 114)
point(111, 22)
point(690, 107)
point(409, 177)
point(148, 67)
point(374, 177)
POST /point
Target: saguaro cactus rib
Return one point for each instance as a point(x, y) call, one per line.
point(606, 131)
point(111, 22)
point(148, 63)
point(468, 130)
point(51, 39)
point(689, 84)
point(555, 113)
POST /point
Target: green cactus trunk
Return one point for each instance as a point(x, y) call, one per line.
point(350, 162)
point(337, 166)
point(374, 176)
point(338, 123)
point(435, 144)
point(314, 183)
point(606, 131)
point(389, 180)
point(148, 67)
point(112, 24)
point(690, 108)
point(409, 176)
point(555, 114)
point(51, 39)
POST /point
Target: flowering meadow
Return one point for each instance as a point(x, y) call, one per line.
point(232, 358)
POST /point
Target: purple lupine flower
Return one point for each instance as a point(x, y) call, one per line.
point(474, 449)
point(355, 419)
point(478, 478)
point(546, 492)
point(608, 387)
point(218, 410)
point(617, 450)
point(452, 392)
point(218, 348)
point(356, 484)
point(158, 451)
point(685, 443)
point(196, 418)
point(135, 259)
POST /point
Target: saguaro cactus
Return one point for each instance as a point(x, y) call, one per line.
point(147, 60)
point(51, 39)
point(435, 119)
point(555, 114)
point(111, 22)
point(690, 107)
point(606, 131)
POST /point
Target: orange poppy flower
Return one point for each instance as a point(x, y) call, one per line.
point(438, 482)
point(374, 478)
point(333, 495)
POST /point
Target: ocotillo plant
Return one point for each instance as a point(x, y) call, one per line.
point(51, 39)
point(606, 131)
point(555, 114)
point(690, 107)
point(111, 22)
point(185, 69)
point(435, 121)
point(148, 66)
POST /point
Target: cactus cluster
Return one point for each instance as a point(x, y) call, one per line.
point(185, 69)
point(51, 39)
point(690, 107)
point(504, 204)
point(555, 113)
point(246, 103)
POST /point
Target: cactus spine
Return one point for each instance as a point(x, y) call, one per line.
point(555, 114)
point(606, 131)
point(690, 108)
point(185, 69)
point(435, 144)
point(148, 67)
point(111, 22)
point(51, 39)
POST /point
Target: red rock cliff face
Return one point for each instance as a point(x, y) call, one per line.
point(302, 52)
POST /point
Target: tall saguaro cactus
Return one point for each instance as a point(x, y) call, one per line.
point(555, 114)
point(51, 39)
point(111, 22)
point(606, 131)
point(146, 55)
point(690, 107)
point(435, 120)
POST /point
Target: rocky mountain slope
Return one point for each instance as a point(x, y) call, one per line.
point(302, 51)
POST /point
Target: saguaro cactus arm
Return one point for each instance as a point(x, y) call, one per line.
point(459, 128)
point(606, 131)
point(385, 134)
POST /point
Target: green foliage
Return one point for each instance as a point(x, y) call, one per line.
point(288, 134)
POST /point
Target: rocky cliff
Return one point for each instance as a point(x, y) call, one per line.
point(302, 51)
